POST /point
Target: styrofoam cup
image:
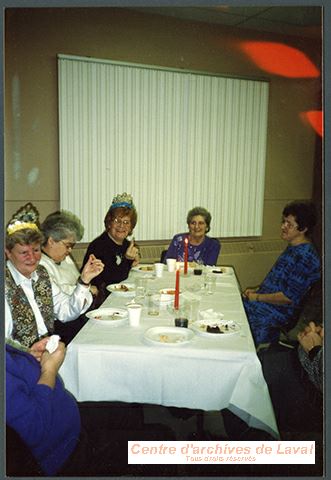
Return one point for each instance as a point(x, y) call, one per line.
point(171, 263)
point(134, 310)
point(158, 267)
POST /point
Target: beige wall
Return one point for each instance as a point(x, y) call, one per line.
point(34, 37)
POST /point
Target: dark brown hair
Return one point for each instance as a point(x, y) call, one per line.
point(304, 214)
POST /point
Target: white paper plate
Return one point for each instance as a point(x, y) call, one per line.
point(125, 289)
point(111, 316)
point(168, 336)
point(225, 327)
point(167, 295)
point(144, 268)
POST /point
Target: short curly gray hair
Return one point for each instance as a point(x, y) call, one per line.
point(61, 225)
point(199, 211)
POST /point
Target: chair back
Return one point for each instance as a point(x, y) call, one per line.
point(309, 310)
point(19, 460)
point(163, 254)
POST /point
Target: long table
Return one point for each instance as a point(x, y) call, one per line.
point(105, 362)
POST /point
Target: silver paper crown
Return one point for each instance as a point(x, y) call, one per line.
point(122, 200)
point(25, 217)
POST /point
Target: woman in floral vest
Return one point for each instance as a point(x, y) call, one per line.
point(32, 301)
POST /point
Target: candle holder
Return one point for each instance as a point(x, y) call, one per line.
point(197, 271)
point(181, 322)
point(181, 319)
point(198, 268)
point(180, 316)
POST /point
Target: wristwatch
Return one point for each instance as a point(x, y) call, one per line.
point(81, 281)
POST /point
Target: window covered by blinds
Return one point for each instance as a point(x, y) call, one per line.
point(173, 139)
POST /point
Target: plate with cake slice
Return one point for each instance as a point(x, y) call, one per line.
point(216, 328)
point(125, 289)
point(144, 268)
point(109, 316)
point(220, 271)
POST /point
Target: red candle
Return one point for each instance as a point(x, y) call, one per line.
point(185, 255)
point(176, 303)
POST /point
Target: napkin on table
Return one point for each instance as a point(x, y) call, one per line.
point(210, 314)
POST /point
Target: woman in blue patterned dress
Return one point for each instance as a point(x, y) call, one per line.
point(272, 304)
point(201, 248)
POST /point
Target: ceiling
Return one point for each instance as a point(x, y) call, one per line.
point(297, 20)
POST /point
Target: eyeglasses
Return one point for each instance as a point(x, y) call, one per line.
point(69, 246)
point(289, 225)
point(194, 223)
point(119, 221)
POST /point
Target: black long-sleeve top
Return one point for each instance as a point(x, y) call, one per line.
point(117, 266)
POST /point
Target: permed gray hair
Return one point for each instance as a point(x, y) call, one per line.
point(199, 211)
point(61, 225)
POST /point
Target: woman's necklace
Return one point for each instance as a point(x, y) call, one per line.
point(119, 258)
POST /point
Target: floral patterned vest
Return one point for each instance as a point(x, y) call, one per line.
point(24, 324)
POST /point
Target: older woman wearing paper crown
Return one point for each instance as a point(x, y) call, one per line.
point(112, 246)
point(32, 301)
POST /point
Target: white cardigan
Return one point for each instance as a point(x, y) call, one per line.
point(65, 274)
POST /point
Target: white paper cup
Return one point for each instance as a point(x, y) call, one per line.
point(171, 263)
point(134, 314)
point(158, 267)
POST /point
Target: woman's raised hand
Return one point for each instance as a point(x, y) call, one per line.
point(311, 336)
point(132, 253)
point(50, 364)
point(92, 268)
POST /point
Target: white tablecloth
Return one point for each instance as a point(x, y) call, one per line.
point(115, 363)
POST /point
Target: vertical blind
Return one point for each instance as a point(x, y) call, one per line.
point(173, 139)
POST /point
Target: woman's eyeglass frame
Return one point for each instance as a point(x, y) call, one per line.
point(69, 246)
point(289, 225)
point(120, 222)
point(199, 224)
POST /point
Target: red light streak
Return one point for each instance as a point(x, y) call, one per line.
point(315, 119)
point(280, 59)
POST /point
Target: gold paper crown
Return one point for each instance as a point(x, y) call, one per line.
point(122, 200)
point(14, 227)
point(25, 217)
